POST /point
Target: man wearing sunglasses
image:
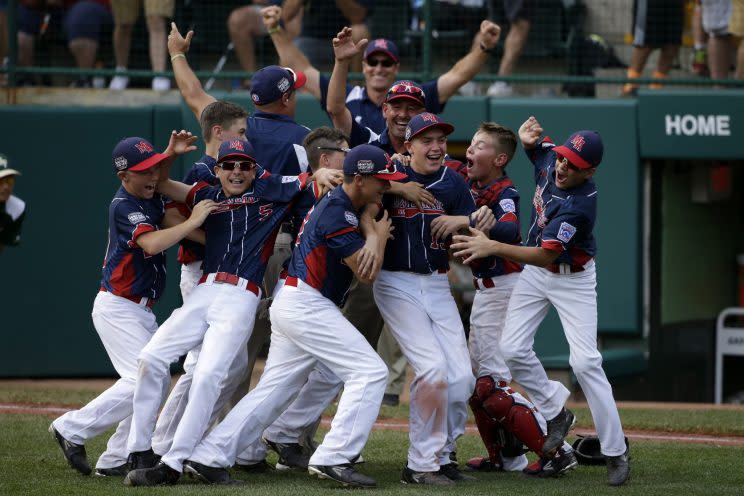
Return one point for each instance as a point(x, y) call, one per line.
point(380, 67)
point(559, 257)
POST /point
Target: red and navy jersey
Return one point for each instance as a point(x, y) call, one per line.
point(562, 220)
point(277, 141)
point(329, 234)
point(367, 113)
point(361, 135)
point(299, 209)
point(201, 171)
point(127, 270)
point(502, 197)
point(414, 249)
point(241, 231)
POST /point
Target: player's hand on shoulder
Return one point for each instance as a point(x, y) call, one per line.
point(530, 132)
point(401, 159)
point(344, 47)
point(201, 211)
point(176, 42)
point(484, 219)
point(384, 226)
point(473, 246)
point(271, 16)
point(327, 179)
point(490, 33)
point(416, 193)
point(181, 142)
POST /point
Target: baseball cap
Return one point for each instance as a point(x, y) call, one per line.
point(5, 170)
point(424, 121)
point(270, 83)
point(236, 148)
point(373, 161)
point(381, 45)
point(135, 154)
point(406, 89)
point(583, 149)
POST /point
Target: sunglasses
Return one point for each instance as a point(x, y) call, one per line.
point(335, 149)
point(383, 62)
point(564, 161)
point(243, 165)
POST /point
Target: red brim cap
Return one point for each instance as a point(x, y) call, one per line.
point(300, 80)
point(447, 128)
point(385, 52)
point(148, 163)
point(572, 157)
point(236, 155)
point(390, 176)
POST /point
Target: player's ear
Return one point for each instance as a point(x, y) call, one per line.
point(217, 132)
point(408, 146)
point(121, 175)
point(590, 172)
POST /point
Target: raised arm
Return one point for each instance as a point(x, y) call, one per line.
point(344, 49)
point(354, 11)
point(180, 142)
point(529, 133)
point(289, 54)
point(468, 66)
point(188, 84)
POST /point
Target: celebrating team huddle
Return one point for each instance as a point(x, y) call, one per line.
point(304, 217)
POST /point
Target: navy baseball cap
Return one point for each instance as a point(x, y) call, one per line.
point(409, 90)
point(135, 154)
point(236, 148)
point(381, 45)
point(270, 83)
point(5, 170)
point(369, 160)
point(583, 149)
point(425, 121)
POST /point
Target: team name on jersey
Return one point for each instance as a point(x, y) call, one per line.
point(232, 203)
point(404, 208)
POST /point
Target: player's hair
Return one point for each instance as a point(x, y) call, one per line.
point(219, 113)
point(319, 140)
point(503, 137)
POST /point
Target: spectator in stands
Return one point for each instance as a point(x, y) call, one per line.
point(380, 67)
point(245, 25)
point(656, 24)
point(716, 18)
point(736, 28)
point(126, 12)
point(699, 63)
point(12, 208)
point(518, 13)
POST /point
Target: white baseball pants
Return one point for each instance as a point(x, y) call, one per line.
point(125, 328)
point(423, 318)
point(575, 299)
point(220, 317)
point(307, 328)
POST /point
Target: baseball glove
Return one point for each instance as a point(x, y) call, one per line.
point(588, 451)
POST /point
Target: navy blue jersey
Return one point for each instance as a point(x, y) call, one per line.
point(329, 234)
point(201, 171)
point(414, 249)
point(502, 197)
point(361, 135)
point(277, 141)
point(562, 220)
point(367, 113)
point(241, 231)
point(127, 270)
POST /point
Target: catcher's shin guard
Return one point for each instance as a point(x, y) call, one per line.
point(487, 428)
point(499, 404)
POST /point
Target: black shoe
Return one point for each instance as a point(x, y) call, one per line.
point(208, 475)
point(429, 478)
point(74, 453)
point(357, 460)
point(552, 467)
point(343, 474)
point(291, 455)
point(160, 474)
point(254, 468)
point(142, 459)
point(452, 473)
point(618, 469)
point(390, 399)
point(558, 428)
point(481, 464)
point(119, 471)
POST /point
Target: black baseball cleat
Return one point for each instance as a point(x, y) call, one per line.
point(207, 474)
point(142, 459)
point(618, 469)
point(254, 468)
point(291, 455)
point(558, 428)
point(343, 474)
point(452, 473)
point(160, 474)
point(74, 453)
point(554, 466)
point(119, 471)
point(425, 478)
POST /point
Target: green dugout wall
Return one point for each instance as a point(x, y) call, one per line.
point(49, 282)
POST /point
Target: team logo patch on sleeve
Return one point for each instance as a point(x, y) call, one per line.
point(566, 231)
point(136, 217)
point(351, 218)
point(508, 205)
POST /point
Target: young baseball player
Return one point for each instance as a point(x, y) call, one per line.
point(413, 294)
point(308, 329)
point(560, 271)
point(220, 312)
point(133, 280)
point(505, 419)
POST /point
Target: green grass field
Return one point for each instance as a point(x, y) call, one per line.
point(31, 462)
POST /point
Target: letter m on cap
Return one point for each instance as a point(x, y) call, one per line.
point(143, 147)
point(427, 117)
point(237, 145)
point(578, 142)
